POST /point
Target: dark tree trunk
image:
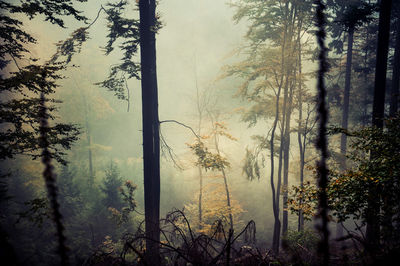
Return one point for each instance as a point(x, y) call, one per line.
point(394, 95)
point(275, 207)
point(322, 141)
point(150, 121)
point(275, 192)
point(345, 113)
point(373, 225)
point(381, 63)
point(388, 210)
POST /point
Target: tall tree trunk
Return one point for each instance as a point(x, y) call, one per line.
point(388, 210)
point(394, 95)
point(286, 162)
point(275, 207)
point(345, 112)
point(151, 137)
point(365, 120)
point(228, 197)
point(89, 143)
point(288, 111)
point(300, 226)
point(373, 210)
point(276, 192)
point(200, 113)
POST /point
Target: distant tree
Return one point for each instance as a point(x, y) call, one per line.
point(269, 83)
point(349, 16)
point(210, 158)
point(111, 185)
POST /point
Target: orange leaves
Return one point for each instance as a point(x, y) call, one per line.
point(214, 207)
point(207, 159)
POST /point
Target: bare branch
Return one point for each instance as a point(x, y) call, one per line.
point(182, 124)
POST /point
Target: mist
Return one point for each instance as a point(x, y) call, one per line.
point(234, 94)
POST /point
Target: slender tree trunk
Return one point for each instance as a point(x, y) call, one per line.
point(299, 135)
point(286, 162)
point(300, 130)
point(394, 95)
point(228, 198)
point(346, 99)
point(151, 137)
point(89, 143)
point(200, 197)
point(345, 112)
point(288, 111)
point(373, 210)
point(275, 207)
point(276, 193)
point(200, 112)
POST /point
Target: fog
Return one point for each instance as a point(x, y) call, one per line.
point(237, 110)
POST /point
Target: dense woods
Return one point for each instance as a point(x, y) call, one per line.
point(188, 132)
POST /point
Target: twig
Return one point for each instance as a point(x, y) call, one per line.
point(127, 92)
point(165, 148)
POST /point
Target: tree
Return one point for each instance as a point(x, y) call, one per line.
point(151, 137)
point(215, 161)
point(349, 16)
point(111, 186)
point(269, 75)
point(394, 94)
point(24, 116)
point(140, 32)
point(346, 190)
point(378, 109)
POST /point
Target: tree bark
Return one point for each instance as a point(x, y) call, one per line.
point(150, 122)
point(345, 112)
point(394, 95)
point(373, 209)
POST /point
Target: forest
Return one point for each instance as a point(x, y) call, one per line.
point(199, 132)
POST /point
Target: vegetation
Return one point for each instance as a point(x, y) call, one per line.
point(280, 115)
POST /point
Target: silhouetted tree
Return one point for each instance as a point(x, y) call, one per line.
point(373, 226)
point(151, 137)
